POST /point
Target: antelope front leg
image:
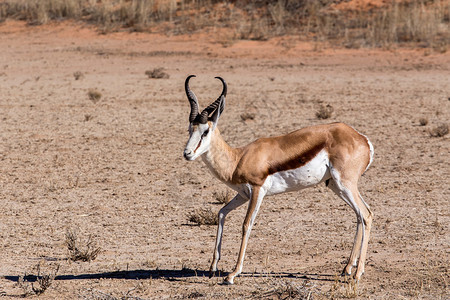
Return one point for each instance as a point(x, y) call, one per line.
point(252, 211)
point(237, 201)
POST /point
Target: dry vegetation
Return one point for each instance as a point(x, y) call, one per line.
point(324, 112)
point(78, 251)
point(423, 23)
point(157, 73)
point(284, 289)
point(78, 75)
point(423, 121)
point(203, 216)
point(44, 280)
point(94, 95)
point(116, 167)
point(439, 131)
point(222, 197)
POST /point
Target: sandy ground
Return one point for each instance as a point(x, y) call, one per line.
point(114, 170)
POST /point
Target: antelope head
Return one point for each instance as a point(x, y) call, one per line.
point(202, 125)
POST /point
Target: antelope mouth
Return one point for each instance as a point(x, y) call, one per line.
point(188, 155)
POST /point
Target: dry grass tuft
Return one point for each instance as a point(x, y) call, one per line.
point(423, 121)
point(439, 131)
point(247, 116)
point(204, 216)
point(279, 289)
point(78, 75)
point(94, 95)
point(76, 252)
point(88, 117)
point(157, 73)
point(347, 289)
point(194, 295)
point(324, 112)
point(44, 281)
point(222, 197)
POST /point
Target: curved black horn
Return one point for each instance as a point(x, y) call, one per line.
point(213, 106)
point(224, 90)
point(192, 99)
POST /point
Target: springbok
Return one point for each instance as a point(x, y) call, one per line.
point(334, 153)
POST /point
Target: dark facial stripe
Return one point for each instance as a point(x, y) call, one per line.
point(198, 146)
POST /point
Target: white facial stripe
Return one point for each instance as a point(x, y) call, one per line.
point(197, 145)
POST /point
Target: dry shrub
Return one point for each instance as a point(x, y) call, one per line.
point(222, 197)
point(88, 117)
point(44, 281)
point(157, 73)
point(77, 252)
point(347, 289)
point(325, 111)
point(78, 75)
point(203, 216)
point(279, 289)
point(423, 121)
point(439, 131)
point(247, 116)
point(194, 295)
point(94, 95)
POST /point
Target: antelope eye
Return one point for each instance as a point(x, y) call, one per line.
point(205, 133)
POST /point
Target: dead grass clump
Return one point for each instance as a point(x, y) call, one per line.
point(222, 197)
point(203, 216)
point(279, 289)
point(325, 112)
point(88, 117)
point(157, 73)
point(94, 95)
point(194, 295)
point(78, 75)
point(88, 252)
point(423, 121)
point(44, 281)
point(347, 289)
point(247, 116)
point(439, 131)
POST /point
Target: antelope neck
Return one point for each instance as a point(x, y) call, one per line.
point(221, 158)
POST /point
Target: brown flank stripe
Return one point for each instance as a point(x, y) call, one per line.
point(297, 161)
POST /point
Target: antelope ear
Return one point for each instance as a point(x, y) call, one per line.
point(217, 112)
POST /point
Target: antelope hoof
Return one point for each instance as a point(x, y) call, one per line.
point(358, 275)
point(212, 270)
point(346, 273)
point(347, 270)
point(228, 280)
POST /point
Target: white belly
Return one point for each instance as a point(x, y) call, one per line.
point(312, 173)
